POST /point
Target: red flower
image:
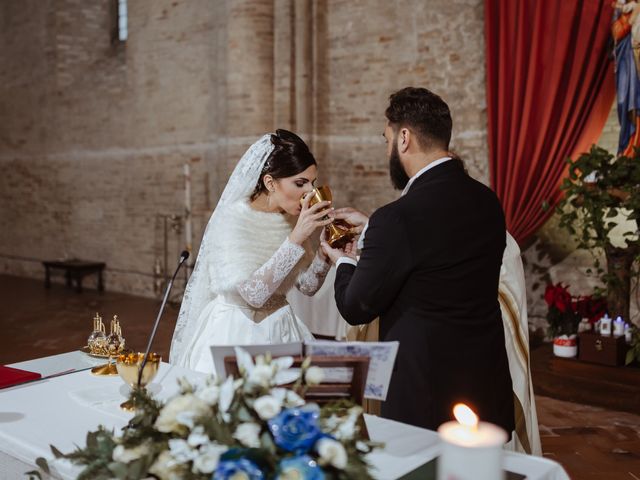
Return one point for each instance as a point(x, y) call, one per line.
point(558, 296)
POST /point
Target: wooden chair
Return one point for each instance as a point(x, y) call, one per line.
point(326, 392)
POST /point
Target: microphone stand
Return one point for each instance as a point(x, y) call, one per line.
point(183, 256)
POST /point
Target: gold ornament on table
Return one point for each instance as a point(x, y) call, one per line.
point(128, 367)
point(339, 233)
point(97, 339)
point(107, 346)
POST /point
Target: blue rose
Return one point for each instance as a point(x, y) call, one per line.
point(295, 430)
point(303, 467)
point(236, 468)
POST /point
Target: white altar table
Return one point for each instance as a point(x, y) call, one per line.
point(62, 409)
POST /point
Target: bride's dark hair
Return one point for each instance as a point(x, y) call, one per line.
point(289, 157)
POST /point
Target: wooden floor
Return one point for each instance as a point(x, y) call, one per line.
point(590, 442)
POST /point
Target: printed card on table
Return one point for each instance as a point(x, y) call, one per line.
point(382, 357)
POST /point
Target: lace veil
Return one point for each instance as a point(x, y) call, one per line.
point(199, 291)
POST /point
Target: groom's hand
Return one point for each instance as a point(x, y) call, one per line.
point(334, 254)
point(353, 216)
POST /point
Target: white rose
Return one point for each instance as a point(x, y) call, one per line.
point(166, 468)
point(180, 410)
point(293, 399)
point(197, 437)
point(181, 451)
point(267, 407)
point(362, 447)
point(209, 395)
point(227, 392)
point(314, 375)
point(347, 427)
point(247, 434)
point(332, 452)
point(261, 375)
point(126, 455)
point(208, 458)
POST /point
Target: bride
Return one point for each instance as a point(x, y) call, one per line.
point(253, 251)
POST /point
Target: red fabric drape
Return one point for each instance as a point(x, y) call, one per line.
point(550, 87)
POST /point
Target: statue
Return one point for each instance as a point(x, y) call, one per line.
point(626, 34)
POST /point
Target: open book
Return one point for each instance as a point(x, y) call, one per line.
point(382, 357)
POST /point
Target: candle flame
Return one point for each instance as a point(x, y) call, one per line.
point(465, 415)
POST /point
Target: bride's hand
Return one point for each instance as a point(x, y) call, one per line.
point(310, 219)
point(350, 250)
point(321, 253)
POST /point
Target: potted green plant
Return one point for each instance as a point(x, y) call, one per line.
point(601, 193)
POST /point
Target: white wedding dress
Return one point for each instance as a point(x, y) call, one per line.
point(245, 267)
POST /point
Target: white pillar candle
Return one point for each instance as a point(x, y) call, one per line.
point(470, 450)
point(618, 327)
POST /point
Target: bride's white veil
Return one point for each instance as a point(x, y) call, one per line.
point(199, 291)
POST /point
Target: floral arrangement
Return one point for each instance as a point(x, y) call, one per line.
point(246, 428)
point(565, 311)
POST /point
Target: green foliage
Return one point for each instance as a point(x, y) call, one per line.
point(633, 355)
point(562, 323)
point(588, 209)
point(600, 190)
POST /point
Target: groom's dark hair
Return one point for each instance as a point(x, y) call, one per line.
point(289, 157)
point(424, 113)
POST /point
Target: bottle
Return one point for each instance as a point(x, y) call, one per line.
point(605, 325)
point(96, 340)
point(627, 333)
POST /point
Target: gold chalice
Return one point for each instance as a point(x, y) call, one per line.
point(128, 366)
point(339, 232)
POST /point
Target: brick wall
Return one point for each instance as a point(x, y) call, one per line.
point(94, 136)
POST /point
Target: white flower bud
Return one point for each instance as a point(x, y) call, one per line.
point(314, 375)
point(267, 407)
point(332, 452)
point(248, 434)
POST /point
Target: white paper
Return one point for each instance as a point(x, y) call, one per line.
point(276, 349)
point(60, 364)
point(382, 357)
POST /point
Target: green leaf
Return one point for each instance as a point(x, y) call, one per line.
point(630, 357)
point(120, 470)
point(42, 463)
point(56, 453)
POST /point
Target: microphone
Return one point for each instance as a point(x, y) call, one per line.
point(183, 256)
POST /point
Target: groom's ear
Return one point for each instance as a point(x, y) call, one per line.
point(404, 140)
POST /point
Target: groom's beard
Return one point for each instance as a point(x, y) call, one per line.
point(399, 177)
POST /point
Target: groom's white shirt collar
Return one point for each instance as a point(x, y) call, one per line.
point(433, 164)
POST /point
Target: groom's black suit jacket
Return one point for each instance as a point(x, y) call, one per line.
point(430, 269)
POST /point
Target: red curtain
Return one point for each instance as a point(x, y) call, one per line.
point(550, 87)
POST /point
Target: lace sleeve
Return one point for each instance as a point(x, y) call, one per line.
point(313, 277)
point(263, 283)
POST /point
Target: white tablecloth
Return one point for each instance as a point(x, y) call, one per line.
point(61, 410)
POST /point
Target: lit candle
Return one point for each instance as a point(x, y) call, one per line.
point(187, 209)
point(470, 450)
point(618, 327)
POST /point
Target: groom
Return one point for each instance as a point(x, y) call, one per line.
point(429, 268)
